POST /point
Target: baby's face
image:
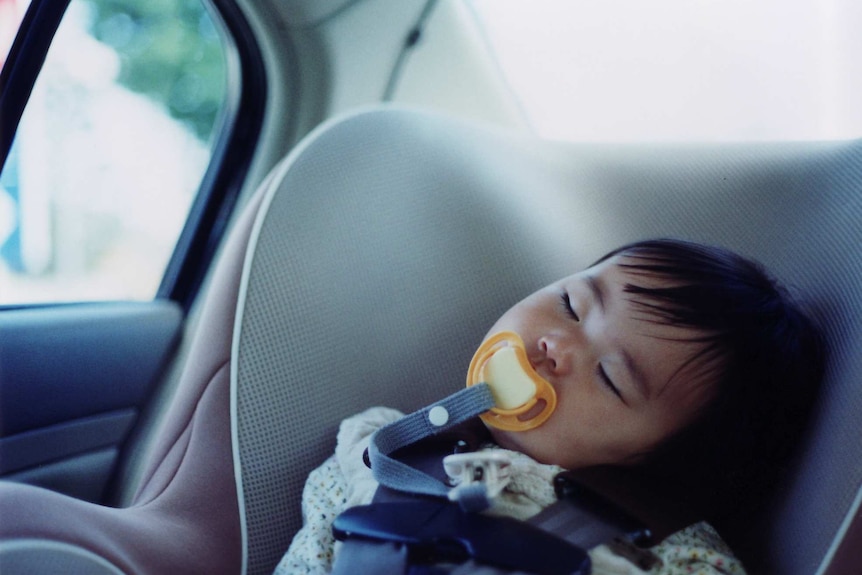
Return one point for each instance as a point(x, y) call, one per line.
point(622, 381)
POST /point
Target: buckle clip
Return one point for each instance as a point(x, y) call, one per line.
point(487, 471)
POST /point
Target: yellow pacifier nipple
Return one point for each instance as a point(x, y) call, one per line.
point(524, 399)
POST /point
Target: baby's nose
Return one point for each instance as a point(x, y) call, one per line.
point(554, 356)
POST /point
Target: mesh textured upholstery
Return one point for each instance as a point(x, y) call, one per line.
point(392, 239)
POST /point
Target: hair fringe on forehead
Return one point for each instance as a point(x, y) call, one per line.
point(704, 287)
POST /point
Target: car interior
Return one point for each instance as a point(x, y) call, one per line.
point(380, 226)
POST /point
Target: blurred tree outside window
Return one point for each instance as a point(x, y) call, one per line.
point(110, 152)
point(169, 51)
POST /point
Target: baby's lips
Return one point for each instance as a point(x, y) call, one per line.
point(524, 399)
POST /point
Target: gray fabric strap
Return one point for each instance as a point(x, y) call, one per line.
point(371, 558)
point(576, 525)
point(428, 421)
point(472, 568)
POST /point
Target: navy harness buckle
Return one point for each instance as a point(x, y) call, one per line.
point(439, 532)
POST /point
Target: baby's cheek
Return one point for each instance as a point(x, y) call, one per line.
point(501, 437)
point(536, 443)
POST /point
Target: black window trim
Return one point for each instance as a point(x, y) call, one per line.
point(239, 128)
point(23, 65)
point(241, 125)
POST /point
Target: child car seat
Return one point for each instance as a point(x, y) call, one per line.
point(385, 246)
point(403, 236)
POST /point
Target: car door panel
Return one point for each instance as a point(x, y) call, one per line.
point(84, 476)
point(73, 380)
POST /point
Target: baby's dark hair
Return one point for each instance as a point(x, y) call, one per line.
point(762, 354)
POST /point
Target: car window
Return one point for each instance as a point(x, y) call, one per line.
point(110, 151)
point(627, 70)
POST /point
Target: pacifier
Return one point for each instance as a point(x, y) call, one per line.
point(501, 362)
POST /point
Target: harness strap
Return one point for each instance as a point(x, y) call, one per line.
point(435, 532)
point(585, 518)
point(415, 536)
point(371, 558)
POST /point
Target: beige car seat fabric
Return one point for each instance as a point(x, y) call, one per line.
point(29, 556)
point(185, 516)
point(392, 239)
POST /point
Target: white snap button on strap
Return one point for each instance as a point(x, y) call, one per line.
point(438, 415)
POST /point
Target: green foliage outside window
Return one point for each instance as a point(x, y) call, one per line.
point(170, 51)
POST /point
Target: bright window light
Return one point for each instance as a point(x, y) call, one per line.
point(709, 70)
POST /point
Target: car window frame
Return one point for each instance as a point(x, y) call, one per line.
point(238, 128)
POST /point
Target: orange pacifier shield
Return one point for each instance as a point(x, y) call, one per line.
point(524, 399)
